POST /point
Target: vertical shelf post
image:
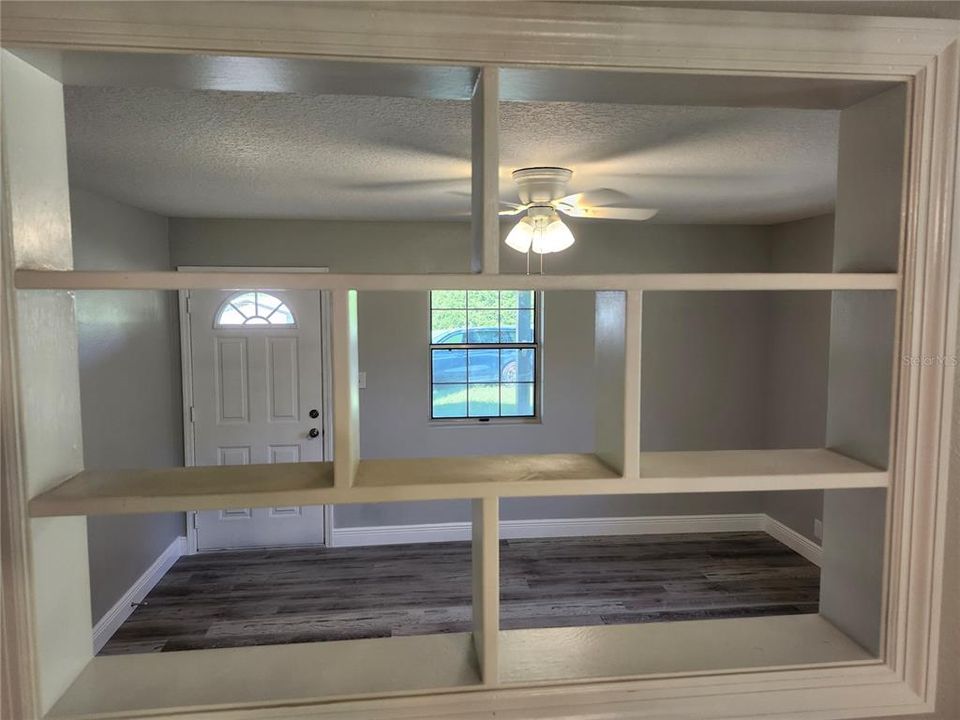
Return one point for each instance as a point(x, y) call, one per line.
point(633, 334)
point(618, 334)
point(862, 339)
point(485, 152)
point(486, 587)
point(45, 559)
point(346, 390)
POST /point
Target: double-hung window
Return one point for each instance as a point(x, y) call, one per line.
point(484, 354)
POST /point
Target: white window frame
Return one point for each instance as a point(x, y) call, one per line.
point(246, 323)
point(536, 345)
point(921, 53)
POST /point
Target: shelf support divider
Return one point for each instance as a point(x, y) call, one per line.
point(862, 360)
point(485, 554)
point(617, 347)
point(346, 390)
point(485, 188)
point(46, 580)
point(632, 394)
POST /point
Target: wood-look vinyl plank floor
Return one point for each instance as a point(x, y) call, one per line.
point(260, 597)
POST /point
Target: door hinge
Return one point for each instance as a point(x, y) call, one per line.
point(187, 304)
point(196, 520)
point(193, 414)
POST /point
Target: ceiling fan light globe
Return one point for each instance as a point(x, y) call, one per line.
point(556, 236)
point(520, 236)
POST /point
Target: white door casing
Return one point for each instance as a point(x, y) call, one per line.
point(254, 387)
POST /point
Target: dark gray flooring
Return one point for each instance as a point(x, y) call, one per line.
point(230, 599)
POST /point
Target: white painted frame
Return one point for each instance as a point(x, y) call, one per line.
point(186, 373)
point(921, 53)
point(539, 395)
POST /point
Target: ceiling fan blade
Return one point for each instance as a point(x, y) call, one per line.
point(507, 208)
point(609, 213)
point(510, 208)
point(592, 198)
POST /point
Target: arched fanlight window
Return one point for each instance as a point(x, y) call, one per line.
point(254, 308)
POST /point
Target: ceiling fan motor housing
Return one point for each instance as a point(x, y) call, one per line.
point(542, 184)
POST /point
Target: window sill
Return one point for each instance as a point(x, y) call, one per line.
point(474, 422)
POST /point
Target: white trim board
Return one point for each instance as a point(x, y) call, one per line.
point(124, 607)
point(795, 541)
point(582, 527)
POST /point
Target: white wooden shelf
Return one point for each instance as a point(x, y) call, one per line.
point(123, 686)
point(269, 675)
point(475, 473)
point(623, 651)
point(95, 492)
point(109, 492)
point(789, 469)
point(224, 280)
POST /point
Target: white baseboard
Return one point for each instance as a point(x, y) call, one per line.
point(582, 527)
point(400, 534)
point(638, 525)
point(794, 540)
point(559, 527)
point(124, 607)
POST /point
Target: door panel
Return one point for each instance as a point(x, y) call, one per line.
point(233, 385)
point(283, 379)
point(253, 388)
point(284, 453)
point(234, 456)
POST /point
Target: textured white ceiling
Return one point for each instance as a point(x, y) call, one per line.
point(219, 154)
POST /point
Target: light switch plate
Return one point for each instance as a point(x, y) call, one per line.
point(361, 380)
point(818, 529)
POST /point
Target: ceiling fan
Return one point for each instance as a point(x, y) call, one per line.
point(542, 199)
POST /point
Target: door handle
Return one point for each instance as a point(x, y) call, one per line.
point(313, 432)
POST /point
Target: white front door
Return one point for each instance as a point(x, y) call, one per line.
point(257, 398)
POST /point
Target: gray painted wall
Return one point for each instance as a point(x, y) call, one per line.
point(342, 246)
point(129, 383)
point(799, 358)
point(610, 247)
point(393, 334)
point(702, 356)
point(419, 247)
